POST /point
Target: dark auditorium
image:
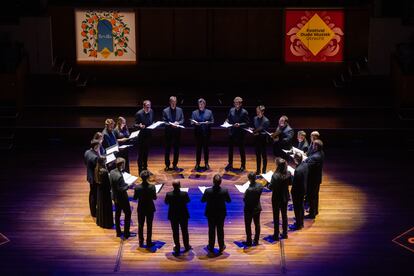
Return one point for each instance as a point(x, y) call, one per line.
point(207, 137)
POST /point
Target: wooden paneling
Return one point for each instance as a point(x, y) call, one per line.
point(229, 34)
point(156, 33)
point(190, 33)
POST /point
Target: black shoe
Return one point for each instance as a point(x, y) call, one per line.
point(118, 234)
point(229, 167)
point(295, 227)
point(221, 249)
point(176, 251)
point(210, 249)
point(248, 243)
point(141, 244)
point(242, 168)
point(256, 242)
point(284, 236)
point(150, 244)
point(126, 236)
point(257, 173)
point(188, 248)
point(207, 167)
point(167, 168)
point(175, 168)
point(276, 237)
point(197, 167)
point(309, 216)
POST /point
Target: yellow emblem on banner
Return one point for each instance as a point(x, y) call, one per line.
point(105, 52)
point(315, 34)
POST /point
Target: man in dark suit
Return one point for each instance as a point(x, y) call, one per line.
point(314, 136)
point(145, 194)
point(261, 125)
point(252, 209)
point(91, 158)
point(282, 138)
point(120, 197)
point(299, 184)
point(178, 215)
point(173, 117)
point(216, 198)
point(202, 118)
point(239, 118)
point(143, 119)
point(315, 165)
point(302, 142)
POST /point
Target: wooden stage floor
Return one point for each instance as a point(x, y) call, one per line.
point(366, 200)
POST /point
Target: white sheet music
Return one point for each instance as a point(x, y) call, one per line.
point(128, 178)
point(158, 187)
point(177, 125)
point(110, 158)
point(243, 188)
point(203, 188)
point(226, 125)
point(267, 176)
point(201, 123)
point(156, 124)
point(112, 149)
point(134, 134)
point(125, 146)
point(184, 189)
point(291, 170)
point(268, 133)
point(248, 130)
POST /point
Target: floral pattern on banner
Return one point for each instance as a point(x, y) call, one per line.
point(120, 32)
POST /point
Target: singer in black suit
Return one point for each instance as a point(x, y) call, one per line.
point(172, 116)
point(315, 165)
point(202, 119)
point(260, 127)
point(178, 215)
point(145, 194)
point(143, 119)
point(252, 209)
point(109, 138)
point(216, 198)
point(120, 197)
point(279, 185)
point(299, 184)
point(239, 118)
point(284, 139)
point(302, 142)
point(91, 159)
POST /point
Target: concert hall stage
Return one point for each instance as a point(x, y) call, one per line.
point(45, 215)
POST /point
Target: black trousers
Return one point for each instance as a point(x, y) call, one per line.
point(248, 218)
point(122, 204)
point(261, 154)
point(237, 140)
point(175, 226)
point(143, 145)
point(282, 208)
point(202, 143)
point(124, 153)
point(93, 195)
point(142, 217)
point(313, 197)
point(216, 224)
point(298, 208)
point(172, 139)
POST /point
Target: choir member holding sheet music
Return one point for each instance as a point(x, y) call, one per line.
point(202, 119)
point(99, 137)
point(282, 138)
point(91, 159)
point(252, 209)
point(104, 216)
point(143, 119)
point(178, 215)
point(261, 125)
point(216, 198)
point(238, 118)
point(145, 193)
point(173, 118)
point(279, 185)
point(299, 184)
point(120, 197)
point(315, 165)
point(109, 138)
point(121, 133)
point(302, 143)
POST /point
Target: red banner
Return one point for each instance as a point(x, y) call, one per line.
point(314, 35)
